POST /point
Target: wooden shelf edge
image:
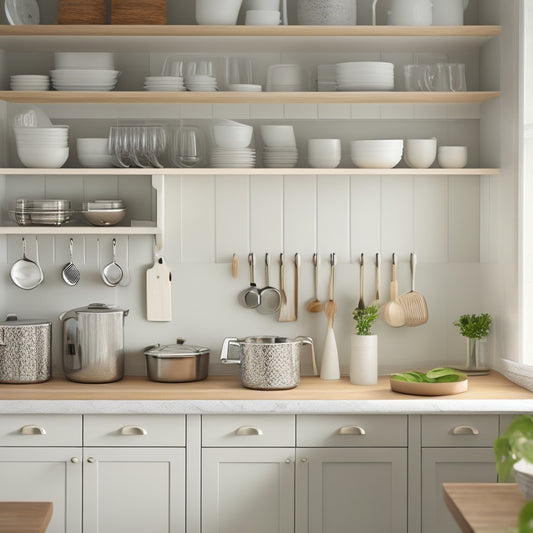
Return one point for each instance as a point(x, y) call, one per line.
point(247, 31)
point(78, 230)
point(251, 171)
point(311, 97)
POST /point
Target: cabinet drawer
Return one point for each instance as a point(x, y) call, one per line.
point(134, 430)
point(351, 430)
point(40, 430)
point(248, 430)
point(459, 430)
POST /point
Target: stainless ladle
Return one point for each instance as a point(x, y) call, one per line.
point(251, 296)
point(270, 297)
point(25, 273)
point(71, 274)
point(112, 273)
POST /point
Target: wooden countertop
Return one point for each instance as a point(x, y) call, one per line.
point(484, 507)
point(25, 517)
point(491, 387)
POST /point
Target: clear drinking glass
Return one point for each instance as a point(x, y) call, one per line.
point(188, 147)
point(418, 77)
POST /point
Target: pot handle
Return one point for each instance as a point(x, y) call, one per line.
point(309, 341)
point(374, 2)
point(229, 341)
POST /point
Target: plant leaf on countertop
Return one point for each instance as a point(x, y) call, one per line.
point(435, 375)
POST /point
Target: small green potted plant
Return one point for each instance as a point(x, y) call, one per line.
point(475, 328)
point(514, 453)
point(364, 347)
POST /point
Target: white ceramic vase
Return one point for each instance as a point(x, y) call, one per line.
point(329, 369)
point(364, 359)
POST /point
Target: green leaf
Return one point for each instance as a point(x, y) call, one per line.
point(525, 519)
point(504, 458)
point(444, 372)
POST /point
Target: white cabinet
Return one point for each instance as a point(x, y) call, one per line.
point(45, 474)
point(134, 490)
point(248, 489)
point(354, 490)
point(455, 449)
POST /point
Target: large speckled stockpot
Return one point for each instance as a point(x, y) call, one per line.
point(25, 350)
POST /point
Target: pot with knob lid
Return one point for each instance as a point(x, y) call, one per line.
point(93, 343)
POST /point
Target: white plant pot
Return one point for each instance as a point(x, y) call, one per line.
point(364, 360)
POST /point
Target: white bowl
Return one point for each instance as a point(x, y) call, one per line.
point(452, 156)
point(245, 87)
point(39, 157)
point(379, 153)
point(262, 17)
point(278, 135)
point(324, 148)
point(84, 60)
point(326, 162)
point(223, 12)
point(96, 160)
point(104, 217)
point(92, 145)
point(232, 136)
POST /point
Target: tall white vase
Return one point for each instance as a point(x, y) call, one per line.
point(329, 369)
point(364, 359)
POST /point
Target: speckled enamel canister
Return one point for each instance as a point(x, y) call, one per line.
point(25, 350)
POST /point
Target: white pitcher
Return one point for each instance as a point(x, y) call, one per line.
point(449, 12)
point(407, 13)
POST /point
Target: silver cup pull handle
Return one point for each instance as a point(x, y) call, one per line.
point(32, 430)
point(465, 430)
point(133, 430)
point(249, 430)
point(351, 430)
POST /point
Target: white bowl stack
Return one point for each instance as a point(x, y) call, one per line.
point(365, 76)
point(380, 153)
point(29, 82)
point(42, 147)
point(84, 71)
point(279, 146)
point(93, 152)
point(164, 83)
point(232, 145)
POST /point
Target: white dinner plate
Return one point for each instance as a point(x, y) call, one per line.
point(21, 12)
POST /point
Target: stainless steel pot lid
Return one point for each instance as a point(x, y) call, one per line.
point(13, 320)
point(175, 350)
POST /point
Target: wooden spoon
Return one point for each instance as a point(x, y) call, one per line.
point(393, 312)
point(315, 305)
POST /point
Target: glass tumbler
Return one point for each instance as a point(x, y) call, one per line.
point(418, 77)
point(188, 148)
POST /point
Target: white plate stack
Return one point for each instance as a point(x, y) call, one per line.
point(164, 83)
point(84, 71)
point(42, 147)
point(200, 82)
point(365, 76)
point(29, 82)
point(279, 146)
point(232, 145)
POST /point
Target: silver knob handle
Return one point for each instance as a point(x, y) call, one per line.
point(304, 459)
point(91, 460)
point(465, 430)
point(249, 430)
point(288, 461)
point(351, 430)
point(74, 460)
point(32, 430)
point(133, 430)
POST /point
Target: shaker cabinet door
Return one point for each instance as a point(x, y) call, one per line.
point(134, 490)
point(247, 489)
point(341, 490)
point(450, 465)
point(45, 474)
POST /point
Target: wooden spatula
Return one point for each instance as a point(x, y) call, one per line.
point(413, 303)
point(393, 312)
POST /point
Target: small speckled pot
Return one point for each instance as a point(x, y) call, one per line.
point(25, 350)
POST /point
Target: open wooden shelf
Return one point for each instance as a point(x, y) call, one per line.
point(251, 171)
point(230, 97)
point(72, 229)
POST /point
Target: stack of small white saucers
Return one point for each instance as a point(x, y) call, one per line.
point(365, 76)
point(84, 79)
point(29, 82)
point(164, 83)
point(42, 147)
point(380, 153)
point(200, 82)
point(232, 145)
point(279, 146)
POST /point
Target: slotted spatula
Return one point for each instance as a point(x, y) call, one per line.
point(413, 303)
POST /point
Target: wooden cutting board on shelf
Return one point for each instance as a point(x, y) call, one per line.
point(138, 12)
